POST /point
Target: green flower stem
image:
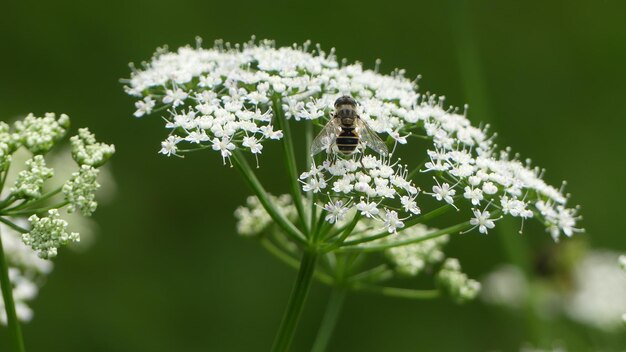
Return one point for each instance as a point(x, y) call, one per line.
point(9, 305)
point(34, 211)
point(253, 182)
point(291, 261)
point(376, 248)
point(398, 292)
point(375, 274)
point(35, 201)
point(345, 232)
point(7, 201)
point(296, 302)
point(329, 321)
point(12, 225)
point(418, 220)
point(290, 160)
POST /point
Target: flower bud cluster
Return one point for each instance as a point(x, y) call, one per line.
point(48, 234)
point(87, 151)
point(39, 134)
point(456, 283)
point(412, 259)
point(29, 183)
point(80, 190)
point(253, 219)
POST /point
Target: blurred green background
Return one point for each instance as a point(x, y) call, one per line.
point(168, 273)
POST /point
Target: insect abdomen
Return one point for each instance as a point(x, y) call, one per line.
point(347, 141)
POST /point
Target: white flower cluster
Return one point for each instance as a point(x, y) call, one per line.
point(25, 270)
point(412, 259)
point(48, 233)
point(468, 165)
point(39, 134)
point(367, 185)
point(30, 182)
point(253, 219)
point(87, 151)
point(456, 283)
point(80, 190)
point(225, 98)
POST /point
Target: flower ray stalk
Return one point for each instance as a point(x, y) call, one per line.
point(7, 294)
point(329, 321)
point(290, 159)
point(250, 178)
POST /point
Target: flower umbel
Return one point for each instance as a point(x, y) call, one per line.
point(236, 98)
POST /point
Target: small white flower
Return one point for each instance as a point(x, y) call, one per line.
point(144, 106)
point(622, 262)
point(410, 205)
point(475, 195)
point(482, 221)
point(392, 222)
point(336, 211)
point(168, 146)
point(175, 97)
point(444, 192)
point(368, 209)
point(225, 146)
point(253, 144)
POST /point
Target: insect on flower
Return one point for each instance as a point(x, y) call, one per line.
point(346, 132)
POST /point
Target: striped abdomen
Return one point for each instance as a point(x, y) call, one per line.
point(347, 140)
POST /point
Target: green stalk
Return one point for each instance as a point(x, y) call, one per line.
point(291, 261)
point(253, 182)
point(399, 292)
point(35, 211)
point(290, 160)
point(7, 294)
point(381, 247)
point(296, 302)
point(329, 321)
point(40, 199)
point(418, 220)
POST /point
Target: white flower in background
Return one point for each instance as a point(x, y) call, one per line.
point(253, 219)
point(456, 283)
point(412, 259)
point(622, 262)
point(599, 297)
point(505, 286)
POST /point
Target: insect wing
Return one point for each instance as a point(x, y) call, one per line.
point(326, 138)
point(371, 139)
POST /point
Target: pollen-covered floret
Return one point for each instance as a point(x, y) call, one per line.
point(39, 134)
point(87, 151)
point(80, 190)
point(48, 233)
point(29, 183)
point(456, 283)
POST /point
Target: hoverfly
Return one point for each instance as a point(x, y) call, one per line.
point(346, 132)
